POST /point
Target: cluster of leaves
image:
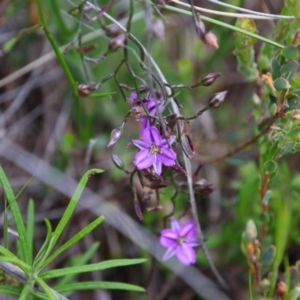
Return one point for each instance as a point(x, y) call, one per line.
point(24, 274)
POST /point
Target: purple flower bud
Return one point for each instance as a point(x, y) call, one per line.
point(115, 136)
point(117, 42)
point(200, 30)
point(209, 79)
point(157, 27)
point(83, 89)
point(112, 31)
point(217, 99)
point(117, 162)
point(211, 39)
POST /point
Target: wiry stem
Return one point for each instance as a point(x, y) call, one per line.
point(187, 162)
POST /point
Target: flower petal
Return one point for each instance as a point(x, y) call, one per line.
point(168, 238)
point(186, 254)
point(169, 253)
point(140, 144)
point(167, 156)
point(145, 124)
point(132, 98)
point(175, 226)
point(188, 229)
point(157, 167)
point(143, 160)
point(152, 136)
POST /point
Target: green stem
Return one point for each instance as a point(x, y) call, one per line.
point(57, 51)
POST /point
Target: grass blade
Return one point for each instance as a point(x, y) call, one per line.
point(16, 215)
point(72, 205)
point(30, 228)
point(78, 261)
point(77, 237)
point(99, 285)
point(92, 267)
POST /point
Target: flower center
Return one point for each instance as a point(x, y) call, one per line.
point(154, 149)
point(180, 240)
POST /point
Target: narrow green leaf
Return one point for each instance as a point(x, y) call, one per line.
point(57, 51)
point(92, 267)
point(73, 202)
point(25, 292)
point(8, 290)
point(12, 264)
point(99, 285)
point(46, 288)
point(30, 228)
point(78, 261)
point(77, 237)
point(16, 215)
point(45, 249)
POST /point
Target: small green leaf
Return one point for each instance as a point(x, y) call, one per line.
point(99, 285)
point(275, 69)
point(288, 149)
point(9, 44)
point(290, 52)
point(289, 67)
point(270, 166)
point(295, 293)
point(92, 267)
point(268, 257)
point(281, 84)
point(267, 197)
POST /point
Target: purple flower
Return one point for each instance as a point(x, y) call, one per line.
point(180, 240)
point(154, 150)
point(150, 103)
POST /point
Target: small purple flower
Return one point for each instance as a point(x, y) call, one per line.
point(180, 241)
point(154, 150)
point(150, 103)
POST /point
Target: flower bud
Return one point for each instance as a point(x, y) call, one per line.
point(209, 79)
point(117, 42)
point(115, 136)
point(211, 40)
point(281, 288)
point(217, 99)
point(157, 27)
point(83, 89)
point(117, 162)
point(112, 31)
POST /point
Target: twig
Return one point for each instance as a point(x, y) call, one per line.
point(245, 144)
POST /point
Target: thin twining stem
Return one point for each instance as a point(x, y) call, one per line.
point(248, 10)
point(251, 15)
point(187, 161)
